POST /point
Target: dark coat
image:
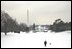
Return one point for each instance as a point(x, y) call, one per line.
point(45, 43)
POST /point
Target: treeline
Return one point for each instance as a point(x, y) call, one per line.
point(59, 26)
point(10, 25)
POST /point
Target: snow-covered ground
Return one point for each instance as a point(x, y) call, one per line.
point(36, 40)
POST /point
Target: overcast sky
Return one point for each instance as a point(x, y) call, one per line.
point(40, 12)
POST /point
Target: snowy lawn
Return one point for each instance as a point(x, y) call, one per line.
point(36, 40)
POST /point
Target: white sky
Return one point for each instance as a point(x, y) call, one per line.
point(40, 12)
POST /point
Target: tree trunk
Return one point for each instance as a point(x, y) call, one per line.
point(5, 33)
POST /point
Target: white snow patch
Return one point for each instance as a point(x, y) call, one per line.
point(36, 40)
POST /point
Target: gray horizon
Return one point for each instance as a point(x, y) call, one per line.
point(40, 12)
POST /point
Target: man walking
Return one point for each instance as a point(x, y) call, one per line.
point(45, 43)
